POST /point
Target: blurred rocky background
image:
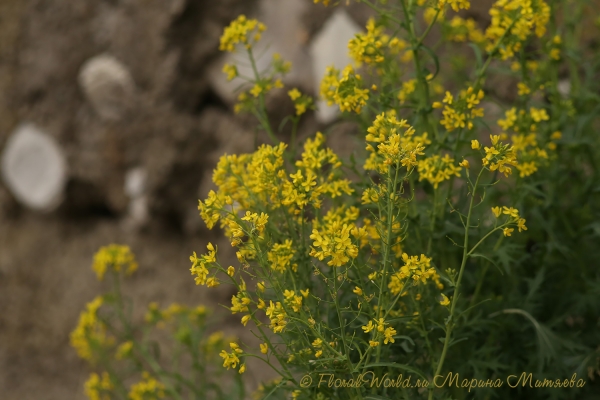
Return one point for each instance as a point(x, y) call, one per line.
point(113, 114)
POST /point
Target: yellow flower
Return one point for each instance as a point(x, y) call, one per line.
point(230, 271)
point(281, 255)
point(231, 71)
point(538, 115)
point(124, 350)
point(256, 90)
point(241, 31)
point(436, 169)
point(445, 301)
point(115, 257)
point(465, 164)
point(318, 353)
point(507, 231)
point(513, 212)
point(373, 343)
point(294, 94)
point(357, 291)
point(369, 327)
point(260, 286)
point(212, 282)
point(90, 329)
point(523, 89)
point(388, 335)
point(521, 224)
point(264, 348)
point(148, 387)
point(242, 368)
point(96, 388)
point(304, 293)
point(497, 211)
point(475, 144)
point(245, 319)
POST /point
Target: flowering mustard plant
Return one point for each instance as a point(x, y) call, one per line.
point(125, 352)
point(459, 240)
point(387, 272)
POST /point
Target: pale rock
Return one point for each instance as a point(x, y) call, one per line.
point(135, 189)
point(108, 86)
point(285, 35)
point(34, 168)
point(329, 48)
point(135, 182)
point(564, 87)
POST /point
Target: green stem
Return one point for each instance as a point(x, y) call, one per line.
point(391, 188)
point(264, 119)
point(451, 323)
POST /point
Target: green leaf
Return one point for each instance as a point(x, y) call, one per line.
point(489, 260)
point(478, 55)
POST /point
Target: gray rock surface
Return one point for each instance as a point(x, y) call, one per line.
point(34, 168)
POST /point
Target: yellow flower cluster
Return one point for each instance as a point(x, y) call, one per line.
point(309, 184)
point(555, 46)
point(231, 360)
point(115, 257)
point(277, 317)
point(199, 265)
point(407, 88)
point(529, 154)
point(253, 180)
point(90, 332)
point(147, 388)
point(525, 145)
point(333, 240)
point(497, 157)
point(513, 21)
point(154, 315)
point(292, 300)
point(436, 169)
point(455, 4)
point(395, 141)
point(374, 46)
point(124, 350)
point(264, 86)
point(96, 388)
point(460, 112)
point(301, 101)
point(461, 30)
point(345, 91)
point(231, 71)
point(242, 30)
point(281, 256)
point(380, 332)
point(513, 215)
point(418, 269)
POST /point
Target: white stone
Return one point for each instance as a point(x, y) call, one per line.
point(285, 35)
point(329, 48)
point(34, 168)
point(135, 182)
point(108, 86)
point(564, 87)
